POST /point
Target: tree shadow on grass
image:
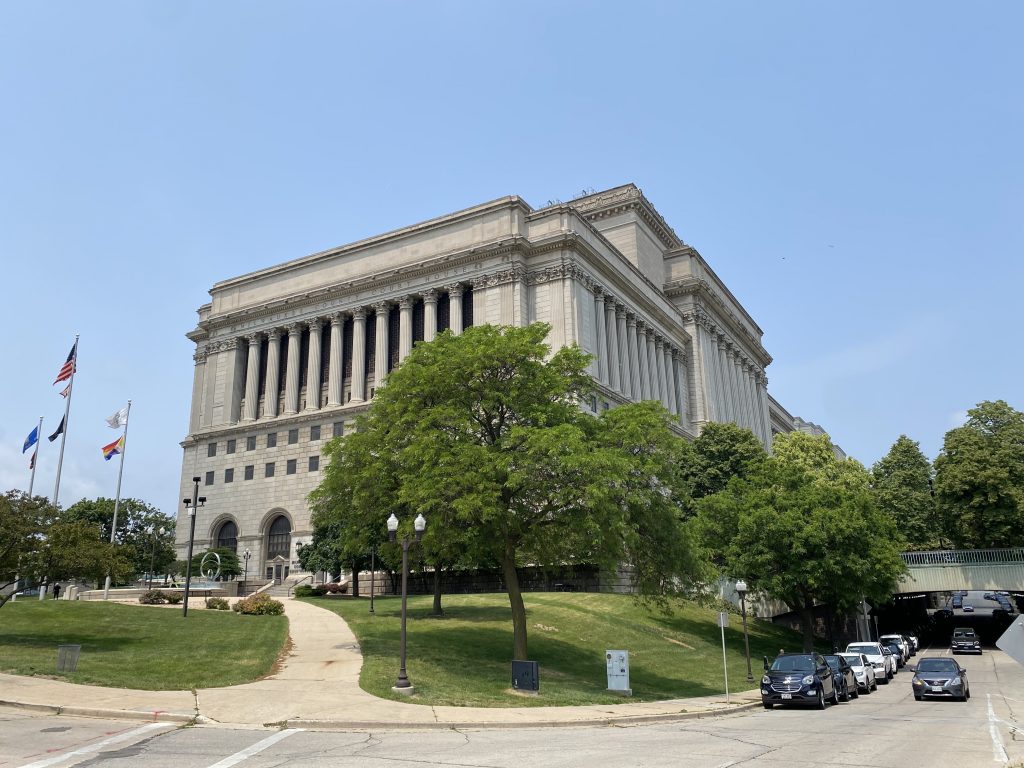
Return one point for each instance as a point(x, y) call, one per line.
point(94, 643)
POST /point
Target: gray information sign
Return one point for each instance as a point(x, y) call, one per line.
point(1012, 640)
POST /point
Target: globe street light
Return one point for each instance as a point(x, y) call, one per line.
point(402, 685)
point(245, 576)
point(152, 552)
point(191, 505)
point(741, 590)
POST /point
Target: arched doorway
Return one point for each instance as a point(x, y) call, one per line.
point(279, 546)
point(227, 536)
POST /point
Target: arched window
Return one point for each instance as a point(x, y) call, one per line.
point(280, 539)
point(227, 536)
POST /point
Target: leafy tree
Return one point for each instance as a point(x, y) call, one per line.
point(482, 434)
point(37, 542)
point(803, 528)
point(901, 482)
point(138, 526)
point(979, 478)
point(721, 452)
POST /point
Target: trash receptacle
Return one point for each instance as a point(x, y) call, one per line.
point(67, 657)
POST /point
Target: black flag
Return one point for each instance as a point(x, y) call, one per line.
point(59, 431)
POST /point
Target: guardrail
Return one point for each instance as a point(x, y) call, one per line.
point(948, 557)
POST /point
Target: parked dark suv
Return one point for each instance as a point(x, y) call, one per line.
point(798, 678)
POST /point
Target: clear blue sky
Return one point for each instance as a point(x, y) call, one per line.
point(852, 171)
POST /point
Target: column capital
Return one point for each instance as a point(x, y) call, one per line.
point(381, 306)
point(315, 324)
point(294, 329)
point(199, 356)
point(598, 293)
point(455, 289)
point(274, 334)
point(620, 311)
point(359, 313)
point(430, 296)
point(659, 341)
point(337, 318)
point(405, 303)
point(631, 319)
point(254, 338)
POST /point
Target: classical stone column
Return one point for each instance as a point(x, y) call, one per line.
point(198, 385)
point(359, 355)
point(625, 376)
point(313, 366)
point(455, 308)
point(429, 315)
point(741, 395)
point(291, 371)
point(643, 367)
point(682, 386)
point(404, 327)
point(335, 373)
point(612, 332)
point(635, 386)
point(724, 369)
point(601, 352)
point(652, 365)
point(252, 378)
point(380, 355)
point(270, 389)
point(670, 378)
point(659, 359)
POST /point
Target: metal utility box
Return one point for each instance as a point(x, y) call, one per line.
point(526, 676)
point(618, 672)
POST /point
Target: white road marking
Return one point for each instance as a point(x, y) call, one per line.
point(53, 760)
point(998, 750)
point(256, 748)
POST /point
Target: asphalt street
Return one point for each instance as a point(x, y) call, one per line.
point(887, 728)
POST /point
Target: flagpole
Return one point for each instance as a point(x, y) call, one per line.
point(35, 457)
point(117, 497)
point(64, 434)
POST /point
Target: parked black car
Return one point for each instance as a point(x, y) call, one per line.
point(843, 676)
point(964, 640)
point(798, 678)
point(941, 678)
point(897, 653)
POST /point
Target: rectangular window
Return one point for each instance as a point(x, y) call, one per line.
point(290, 466)
point(269, 469)
point(211, 450)
point(293, 436)
point(229, 475)
point(271, 439)
point(209, 478)
point(250, 443)
point(314, 432)
point(339, 429)
point(250, 471)
point(230, 447)
point(314, 463)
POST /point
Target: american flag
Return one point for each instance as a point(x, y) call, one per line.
point(68, 368)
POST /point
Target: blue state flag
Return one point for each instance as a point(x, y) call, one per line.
point(32, 439)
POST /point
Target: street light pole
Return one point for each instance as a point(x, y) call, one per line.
point(402, 685)
point(191, 505)
point(373, 574)
point(245, 576)
point(741, 590)
point(152, 553)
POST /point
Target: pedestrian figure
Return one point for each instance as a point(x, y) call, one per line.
point(56, 591)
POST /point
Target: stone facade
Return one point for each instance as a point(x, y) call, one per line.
point(287, 357)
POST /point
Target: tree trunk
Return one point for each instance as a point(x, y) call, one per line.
point(355, 579)
point(515, 599)
point(437, 610)
point(807, 625)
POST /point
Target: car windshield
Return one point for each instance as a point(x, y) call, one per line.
point(893, 647)
point(853, 660)
point(793, 664)
point(865, 649)
point(963, 633)
point(930, 666)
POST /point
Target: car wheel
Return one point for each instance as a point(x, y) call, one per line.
point(917, 698)
point(874, 683)
point(835, 695)
point(967, 693)
point(821, 698)
point(889, 674)
point(846, 692)
point(855, 693)
point(767, 704)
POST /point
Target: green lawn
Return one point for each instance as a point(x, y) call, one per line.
point(149, 647)
point(464, 657)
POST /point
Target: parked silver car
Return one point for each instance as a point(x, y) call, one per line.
point(863, 670)
point(881, 659)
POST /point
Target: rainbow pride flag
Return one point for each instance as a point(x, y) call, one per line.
point(114, 448)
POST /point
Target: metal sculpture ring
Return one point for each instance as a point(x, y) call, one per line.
point(209, 566)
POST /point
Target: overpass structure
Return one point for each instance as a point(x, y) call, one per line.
point(948, 570)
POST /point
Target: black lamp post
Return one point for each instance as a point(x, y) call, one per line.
point(245, 576)
point(741, 590)
point(402, 685)
point(191, 505)
point(152, 553)
point(373, 573)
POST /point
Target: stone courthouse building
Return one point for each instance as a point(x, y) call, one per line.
point(287, 356)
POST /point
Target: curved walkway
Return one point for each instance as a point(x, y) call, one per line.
point(318, 688)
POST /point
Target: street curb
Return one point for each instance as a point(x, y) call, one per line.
point(157, 716)
point(597, 722)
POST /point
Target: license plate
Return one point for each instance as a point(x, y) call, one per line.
point(936, 689)
point(787, 695)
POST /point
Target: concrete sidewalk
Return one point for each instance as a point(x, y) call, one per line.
point(318, 688)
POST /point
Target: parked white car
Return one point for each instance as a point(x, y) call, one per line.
point(901, 641)
point(863, 670)
point(883, 663)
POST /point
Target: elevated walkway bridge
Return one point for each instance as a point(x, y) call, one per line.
point(949, 570)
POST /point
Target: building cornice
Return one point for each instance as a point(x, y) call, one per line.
point(702, 290)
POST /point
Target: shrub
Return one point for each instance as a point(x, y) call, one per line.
point(319, 590)
point(217, 603)
point(334, 588)
point(153, 597)
point(174, 597)
point(259, 605)
point(304, 590)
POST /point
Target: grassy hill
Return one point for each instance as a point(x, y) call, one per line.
point(463, 658)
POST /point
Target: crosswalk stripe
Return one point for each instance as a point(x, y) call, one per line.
point(256, 748)
point(60, 758)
